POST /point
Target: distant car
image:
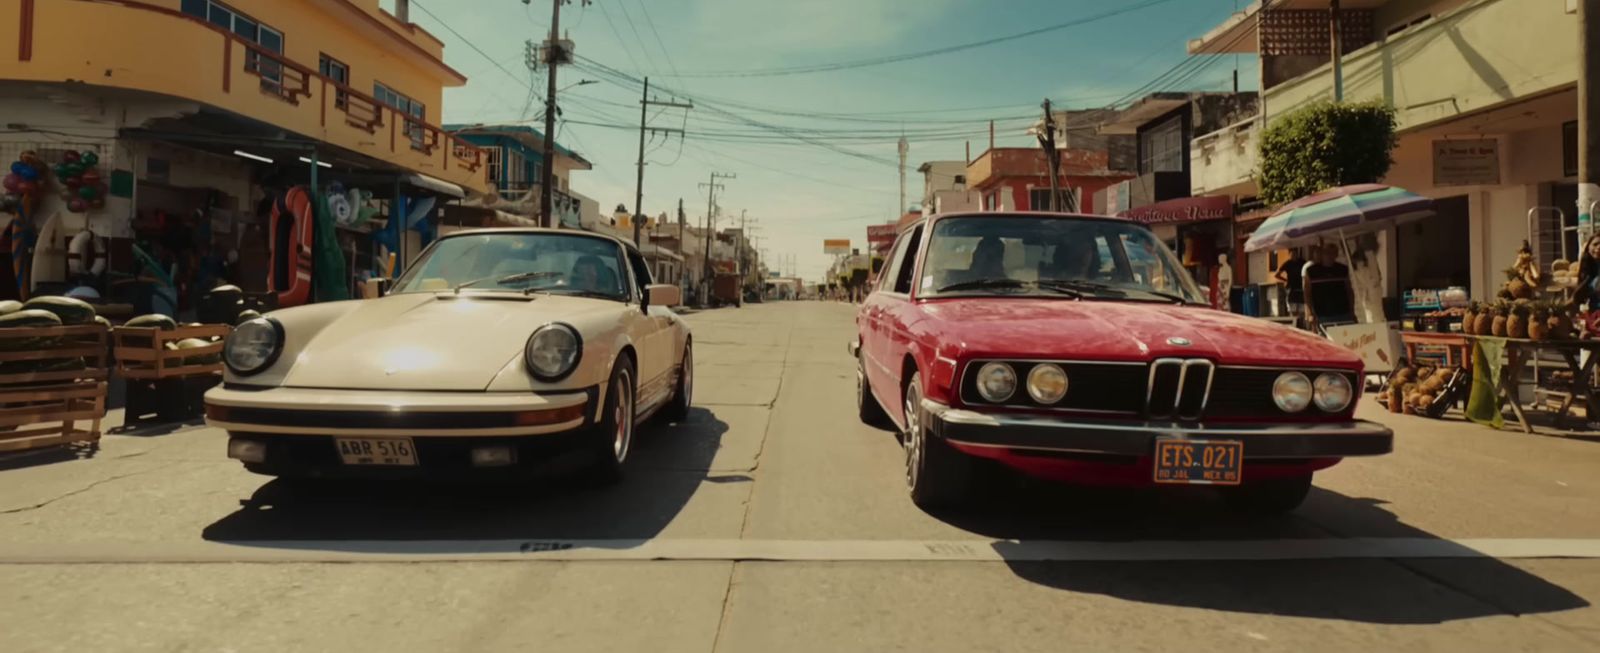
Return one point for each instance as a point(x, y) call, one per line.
point(1078, 348)
point(497, 350)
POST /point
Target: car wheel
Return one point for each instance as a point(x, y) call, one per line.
point(867, 406)
point(1269, 497)
point(678, 410)
point(611, 440)
point(937, 475)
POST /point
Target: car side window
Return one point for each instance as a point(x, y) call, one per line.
point(891, 267)
point(906, 267)
point(641, 270)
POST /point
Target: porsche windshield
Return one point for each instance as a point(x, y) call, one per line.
point(1080, 258)
point(520, 262)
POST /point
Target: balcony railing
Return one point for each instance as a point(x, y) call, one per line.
point(115, 55)
point(1224, 159)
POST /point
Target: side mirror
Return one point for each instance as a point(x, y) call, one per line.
point(663, 294)
point(377, 287)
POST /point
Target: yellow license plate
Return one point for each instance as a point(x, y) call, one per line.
point(394, 452)
point(1199, 462)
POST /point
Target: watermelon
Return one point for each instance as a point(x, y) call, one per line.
point(27, 318)
point(195, 343)
point(155, 320)
point(71, 311)
point(10, 306)
point(102, 321)
point(246, 315)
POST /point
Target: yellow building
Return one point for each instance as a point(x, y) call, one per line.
point(1486, 104)
point(214, 105)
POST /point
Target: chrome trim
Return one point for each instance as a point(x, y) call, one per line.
point(1183, 376)
point(1288, 368)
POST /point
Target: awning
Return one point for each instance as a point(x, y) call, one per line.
point(1184, 209)
point(436, 185)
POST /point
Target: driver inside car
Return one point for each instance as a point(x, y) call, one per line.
point(589, 274)
point(1075, 260)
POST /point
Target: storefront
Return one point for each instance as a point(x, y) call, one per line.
point(1200, 231)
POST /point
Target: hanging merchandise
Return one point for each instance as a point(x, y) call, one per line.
point(87, 254)
point(329, 271)
point(339, 207)
point(290, 243)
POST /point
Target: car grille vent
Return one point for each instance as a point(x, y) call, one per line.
point(1178, 387)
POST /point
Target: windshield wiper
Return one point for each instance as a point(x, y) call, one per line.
point(569, 290)
point(1079, 287)
point(983, 283)
point(507, 280)
point(1175, 298)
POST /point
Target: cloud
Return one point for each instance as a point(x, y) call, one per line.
point(814, 26)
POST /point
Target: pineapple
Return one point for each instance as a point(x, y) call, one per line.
point(1539, 326)
point(1517, 321)
point(1502, 314)
point(1485, 318)
point(1469, 323)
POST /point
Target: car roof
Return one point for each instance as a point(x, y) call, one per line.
point(538, 230)
point(1017, 214)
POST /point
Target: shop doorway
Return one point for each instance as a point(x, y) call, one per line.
point(1436, 252)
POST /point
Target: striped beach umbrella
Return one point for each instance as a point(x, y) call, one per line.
point(1339, 212)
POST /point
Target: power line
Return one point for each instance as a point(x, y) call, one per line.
point(469, 44)
point(620, 41)
point(879, 61)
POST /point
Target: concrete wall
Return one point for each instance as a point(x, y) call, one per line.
point(1485, 53)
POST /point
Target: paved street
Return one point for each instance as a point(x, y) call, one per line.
point(774, 521)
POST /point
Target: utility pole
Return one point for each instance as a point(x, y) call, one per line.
point(555, 54)
point(644, 107)
point(1047, 141)
point(684, 251)
point(711, 208)
point(904, 148)
point(1337, 50)
point(1588, 115)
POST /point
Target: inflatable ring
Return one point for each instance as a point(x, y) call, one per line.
point(339, 205)
point(86, 247)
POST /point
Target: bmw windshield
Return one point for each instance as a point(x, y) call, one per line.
point(1078, 258)
point(520, 261)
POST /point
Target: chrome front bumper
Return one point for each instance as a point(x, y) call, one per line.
point(1072, 435)
point(314, 411)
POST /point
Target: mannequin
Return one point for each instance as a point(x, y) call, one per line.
point(1224, 288)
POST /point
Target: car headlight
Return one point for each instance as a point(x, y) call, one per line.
point(1332, 392)
point(553, 352)
point(997, 382)
point(1291, 392)
point(253, 346)
point(1047, 383)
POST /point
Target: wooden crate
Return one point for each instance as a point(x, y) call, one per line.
point(142, 353)
point(41, 409)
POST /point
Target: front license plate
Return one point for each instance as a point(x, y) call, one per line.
point(1199, 462)
point(377, 451)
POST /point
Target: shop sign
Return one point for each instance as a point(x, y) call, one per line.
point(836, 246)
point(1187, 209)
point(1466, 162)
point(1377, 344)
point(881, 235)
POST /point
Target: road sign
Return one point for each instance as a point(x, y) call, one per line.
point(836, 246)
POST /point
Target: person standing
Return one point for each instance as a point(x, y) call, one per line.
point(1290, 276)
point(1330, 299)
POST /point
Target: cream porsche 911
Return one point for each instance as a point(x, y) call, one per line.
point(497, 350)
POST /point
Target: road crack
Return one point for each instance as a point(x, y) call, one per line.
point(86, 488)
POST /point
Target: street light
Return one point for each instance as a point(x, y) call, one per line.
point(585, 82)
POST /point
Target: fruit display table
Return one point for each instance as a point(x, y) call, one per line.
point(1519, 351)
point(51, 379)
point(168, 370)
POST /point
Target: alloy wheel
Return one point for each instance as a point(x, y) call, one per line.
point(913, 438)
point(623, 416)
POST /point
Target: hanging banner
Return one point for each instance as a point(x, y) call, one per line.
point(1187, 209)
point(881, 235)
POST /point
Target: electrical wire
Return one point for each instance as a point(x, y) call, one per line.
point(468, 43)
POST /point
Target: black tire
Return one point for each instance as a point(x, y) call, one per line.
point(608, 446)
point(867, 406)
point(1270, 497)
point(937, 475)
point(678, 409)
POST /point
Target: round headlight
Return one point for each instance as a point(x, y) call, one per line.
point(1047, 383)
point(1332, 392)
point(1291, 392)
point(253, 346)
point(553, 352)
point(997, 382)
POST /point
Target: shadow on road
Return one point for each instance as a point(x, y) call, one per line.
point(1384, 591)
point(667, 466)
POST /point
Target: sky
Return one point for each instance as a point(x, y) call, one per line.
point(815, 154)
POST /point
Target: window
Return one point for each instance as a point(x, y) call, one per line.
point(336, 70)
point(892, 265)
point(1039, 199)
point(405, 106)
point(1161, 147)
point(906, 267)
point(248, 29)
point(495, 155)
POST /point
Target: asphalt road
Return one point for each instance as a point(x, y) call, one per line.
point(773, 520)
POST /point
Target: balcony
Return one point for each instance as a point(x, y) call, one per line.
point(1485, 53)
point(1224, 161)
point(141, 46)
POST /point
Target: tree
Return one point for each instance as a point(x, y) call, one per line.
point(1324, 145)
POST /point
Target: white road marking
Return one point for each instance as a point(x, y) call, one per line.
point(789, 550)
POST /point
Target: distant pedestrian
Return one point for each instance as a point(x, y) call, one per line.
point(1290, 276)
point(1330, 299)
